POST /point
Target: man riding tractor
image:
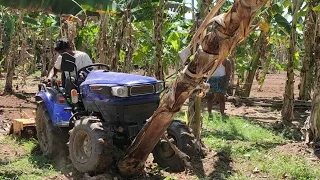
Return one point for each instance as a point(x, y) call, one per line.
point(82, 59)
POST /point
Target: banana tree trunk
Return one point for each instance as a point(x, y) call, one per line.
point(261, 48)
point(112, 39)
point(194, 107)
point(23, 60)
point(2, 35)
point(51, 55)
point(128, 45)
point(306, 74)
point(12, 56)
point(264, 73)
point(33, 60)
point(194, 116)
point(314, 121)
point(288, 106)
point(10, 65)
point(102, 39)
point(158, 40)
point(118, 44)
point(44, 53)
point(224, 39)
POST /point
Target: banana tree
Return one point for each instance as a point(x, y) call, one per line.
point(158, 22)
point(307, 70)
point(261, 45)
point(12, 53)
point(312, 125)
point(314, 121)
point(194, 106)
point(287, 109)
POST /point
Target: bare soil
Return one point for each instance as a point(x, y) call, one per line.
point(9, 152)
point(274, 86)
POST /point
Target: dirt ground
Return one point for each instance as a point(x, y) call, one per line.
point(23, 101)
point(274, 86)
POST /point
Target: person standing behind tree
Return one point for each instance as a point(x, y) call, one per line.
point(218, 86)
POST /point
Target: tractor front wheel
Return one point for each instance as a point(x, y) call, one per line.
point(90, 147)
point(179, 134)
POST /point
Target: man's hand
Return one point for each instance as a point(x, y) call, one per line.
point(47, 82)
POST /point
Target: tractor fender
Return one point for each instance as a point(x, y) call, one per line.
point(47, 99)
point(58, 115)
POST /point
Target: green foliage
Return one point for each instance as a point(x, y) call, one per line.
point(283, 23)
point(317, 9)
point(86, 39)
point(175, 31)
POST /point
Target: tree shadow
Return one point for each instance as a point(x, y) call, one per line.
point(155, 175)
point(222, 162)
point(222, 168)
point(230, 135)
point(219, 164)
point(63, 164)
point(316, 148)
point(197, 167)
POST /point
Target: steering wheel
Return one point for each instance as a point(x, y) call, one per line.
point(86, 68)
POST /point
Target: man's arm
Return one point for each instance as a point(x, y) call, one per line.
point(57, 65)
point(52, 73)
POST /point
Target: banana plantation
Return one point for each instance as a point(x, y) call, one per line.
point(123, 89)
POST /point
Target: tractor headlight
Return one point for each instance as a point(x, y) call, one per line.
point(120, 91)
point(159, 87)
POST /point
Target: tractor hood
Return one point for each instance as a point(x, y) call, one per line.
point(115, 78)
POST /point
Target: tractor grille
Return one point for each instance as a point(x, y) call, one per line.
point(139, 111)
point(141, 90)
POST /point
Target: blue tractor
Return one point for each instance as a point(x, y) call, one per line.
point(98, 113)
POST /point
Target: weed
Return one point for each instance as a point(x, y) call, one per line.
point(29, 166)
point(252, 146)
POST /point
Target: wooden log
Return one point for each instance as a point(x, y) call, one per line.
point(238, 101)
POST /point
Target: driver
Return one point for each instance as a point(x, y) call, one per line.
point(62, 46)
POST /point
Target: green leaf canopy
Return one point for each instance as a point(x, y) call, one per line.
point(50, 6)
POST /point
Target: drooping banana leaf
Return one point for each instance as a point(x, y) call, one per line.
point(50, 6)
point(92, 7)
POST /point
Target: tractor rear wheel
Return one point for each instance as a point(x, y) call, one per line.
point(90, 146)
point(49, 141)
point(179, 134)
